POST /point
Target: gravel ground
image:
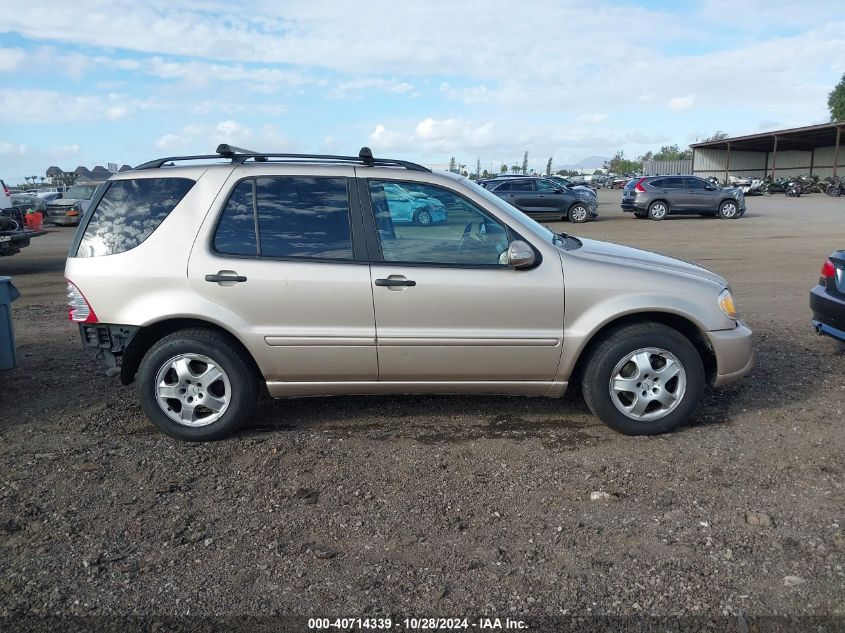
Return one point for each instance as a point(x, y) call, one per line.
point(441, 506)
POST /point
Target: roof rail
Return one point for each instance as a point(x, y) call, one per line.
point(239, 156)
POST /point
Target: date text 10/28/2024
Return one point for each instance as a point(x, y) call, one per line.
point(417, 624)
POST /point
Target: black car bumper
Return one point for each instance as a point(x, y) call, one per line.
point(630, 205)
point(828, 313)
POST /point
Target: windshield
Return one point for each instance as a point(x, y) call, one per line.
point(81, 192)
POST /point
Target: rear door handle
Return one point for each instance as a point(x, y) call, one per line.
point(391, 283)
point(221, 278)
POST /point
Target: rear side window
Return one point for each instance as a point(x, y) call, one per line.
point(129, 212)
point(303, 217)
point(235, 233)
point(298, 217)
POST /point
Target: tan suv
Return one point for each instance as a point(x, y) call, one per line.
point(208, 280)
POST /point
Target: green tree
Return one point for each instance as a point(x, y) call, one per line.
point(478, 168)
point(515, 169)
point(549, 167)
point(672, 152)
point(485, 173)
point(621, 165)
point(718, 135)
point(525, 162)
point(504, 169)
point(836, 101)
point(452, 164)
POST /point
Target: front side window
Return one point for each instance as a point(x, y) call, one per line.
point(673, 183)
point(423, 230)
point(548, 186)
point(129, 212)
point(695, 183)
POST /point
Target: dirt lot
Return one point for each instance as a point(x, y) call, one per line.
point(441, 505)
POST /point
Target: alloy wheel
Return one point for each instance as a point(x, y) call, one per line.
point(192, 390)
point(647, 384)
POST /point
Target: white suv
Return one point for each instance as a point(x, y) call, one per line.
point(207, 280)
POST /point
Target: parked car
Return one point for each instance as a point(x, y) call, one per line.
point(413, 206)
point(827, 299)
point(570, 184)
point(545, 199)
point(201, 281)
point(29, 201)
point(14, 234)
point(49, 196)
point(619, 182)
point(657, 197)
point(67, 210)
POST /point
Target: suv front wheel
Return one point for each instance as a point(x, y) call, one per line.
point(196, 385)
point(643, 379)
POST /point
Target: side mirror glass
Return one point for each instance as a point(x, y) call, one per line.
point(558, 190)
point(520, 255)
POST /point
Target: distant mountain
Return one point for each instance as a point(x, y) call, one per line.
point(591, 162)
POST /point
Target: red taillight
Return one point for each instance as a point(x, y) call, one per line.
point(6, 191)
point(639, 185)
point(79, 310)
point(828, 270)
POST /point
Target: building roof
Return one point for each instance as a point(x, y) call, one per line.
point(797, 138)
point(52, 170)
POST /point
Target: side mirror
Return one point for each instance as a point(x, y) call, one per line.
point(558, 190)
point(520, 255)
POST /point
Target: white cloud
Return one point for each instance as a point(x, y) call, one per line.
point(50, 107)
point(12, 148)
point(203, 138)
point(357, 88)
point(592, 118)
point(680, 104)
point(10, 59)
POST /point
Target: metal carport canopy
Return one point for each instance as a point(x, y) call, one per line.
point(804, 139)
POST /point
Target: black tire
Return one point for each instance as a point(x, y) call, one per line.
point(658, 210)
point(833, 191)
point(578, 213)
point(729, 210)
point(238, 369)
point(595, 384)
point(423, 217)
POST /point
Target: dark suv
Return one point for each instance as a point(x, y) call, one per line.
point(545, 199)
point(659, 196)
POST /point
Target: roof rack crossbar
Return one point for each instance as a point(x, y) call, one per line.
point(240, 156)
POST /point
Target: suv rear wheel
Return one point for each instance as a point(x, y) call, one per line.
point(423, 217)
point(196, 385)
point(658, 210)
point(643, 379)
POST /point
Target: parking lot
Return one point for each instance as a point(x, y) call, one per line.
point(442, 505)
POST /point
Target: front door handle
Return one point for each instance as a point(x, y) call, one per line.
point(221, 277)
point(394, 282)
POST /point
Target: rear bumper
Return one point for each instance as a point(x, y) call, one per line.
point(734, 351)
point(828, 313)
point(631, 205)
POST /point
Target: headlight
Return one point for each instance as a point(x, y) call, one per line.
point(726, 302)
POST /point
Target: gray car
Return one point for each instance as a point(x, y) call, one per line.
point(545, 199)
point(659, 196)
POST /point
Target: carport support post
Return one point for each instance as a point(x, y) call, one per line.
point(774, 157)
point(727, 163)
point(836, 151)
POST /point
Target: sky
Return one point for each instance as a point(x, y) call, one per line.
point(91, 82)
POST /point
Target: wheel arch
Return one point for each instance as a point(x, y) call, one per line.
point(147, 336)
point(664, 201)
point(675, 321)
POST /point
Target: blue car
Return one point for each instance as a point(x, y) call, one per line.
point(413, 207)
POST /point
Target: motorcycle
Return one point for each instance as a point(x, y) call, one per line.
point(778, 185)
point(793, 189)
point(749, 186)
point(834, 187)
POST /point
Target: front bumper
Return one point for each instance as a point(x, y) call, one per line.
point(828, 313)
point(734, 351)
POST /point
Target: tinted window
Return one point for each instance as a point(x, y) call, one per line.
point(303, 217)
point(424, 230)
point(235, 234)
point(673, 182)
point(548, 185)
point(81, 192)
point(128, 213)
point(516, 185)
point(695, 183)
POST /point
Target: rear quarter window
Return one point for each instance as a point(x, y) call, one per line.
point(128, 213)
